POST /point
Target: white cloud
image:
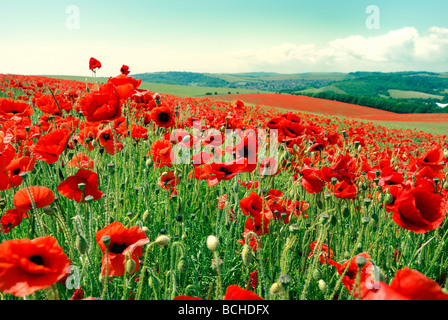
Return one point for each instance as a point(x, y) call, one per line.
point(402, 49)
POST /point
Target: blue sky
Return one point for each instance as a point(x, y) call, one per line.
point(287, 36)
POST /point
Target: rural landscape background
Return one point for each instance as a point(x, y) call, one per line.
point(120, 178)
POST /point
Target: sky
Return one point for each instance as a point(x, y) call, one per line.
point(223, 36)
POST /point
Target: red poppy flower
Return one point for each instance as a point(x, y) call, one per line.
point(81, 160)
point(345, 190)
point(168, 181)
point(11, 177)
point(49, 147)
point(107, 139)
point(161, 153)
point(125, 70)
point(408, 284)
point(11, 219)
point(123, 241)
point(251, 205)
point(94, 64)
point(70, 187)
point(30, 265)
point(163, 117)
point(311, 179)
point(419, 210)
point(41, 196)
point(183, 297)
point(234, 292)
point(14, 110)
point(321, 250)
point(268, 167)
point(217, 171)
point(7, 151)
point(103, 105)
point(351, 270)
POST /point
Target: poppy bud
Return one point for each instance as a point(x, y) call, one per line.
point(130, 265)
point(445, 153)
point(162, 240)
point(182, 265)
point(324, 218)
point(2, 203)
point(212, 243)
point(247, 255)
point(445, 185)
point(389, 198)
point(154, 282)
point(146, 229)
point(317, 274)
point(48, 210)
point(81, 244)
point(345, 212)
point(294, 228)
point(275, 288)
point(146, 216)
point(322, 286)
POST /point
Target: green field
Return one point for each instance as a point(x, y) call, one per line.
point(178, 90)
point(403, 94)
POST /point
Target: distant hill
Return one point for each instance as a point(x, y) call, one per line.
point(401, 92)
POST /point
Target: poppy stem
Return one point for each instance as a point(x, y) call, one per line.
point(143, 272)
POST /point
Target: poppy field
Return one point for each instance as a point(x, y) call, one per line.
point(96, 203)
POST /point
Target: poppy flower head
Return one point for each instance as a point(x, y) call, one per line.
point(125, 70)
point(94, 64)
point(50, 146)
point(163, 117)
point(71, 189)
point(123, 242)
point(24, 199)
point(419, 210)
point(30, 265)
point(234, 292)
